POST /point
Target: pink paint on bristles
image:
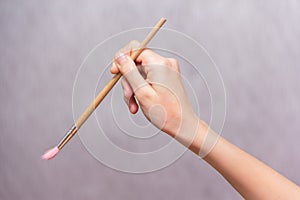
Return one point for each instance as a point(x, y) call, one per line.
point(50, 154)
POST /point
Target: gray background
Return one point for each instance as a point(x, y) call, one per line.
point(42, 43)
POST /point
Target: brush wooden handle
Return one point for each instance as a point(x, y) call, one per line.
point(90, 109)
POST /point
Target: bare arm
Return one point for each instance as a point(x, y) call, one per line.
point(163, 100)
point(249, 176)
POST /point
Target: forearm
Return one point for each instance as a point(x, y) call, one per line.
point(250, 177)
point(165, 103)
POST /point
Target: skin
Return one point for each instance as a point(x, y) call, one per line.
point(249, 176)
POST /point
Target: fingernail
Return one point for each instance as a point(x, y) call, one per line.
point(121, 58)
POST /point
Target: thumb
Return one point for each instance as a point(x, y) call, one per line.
point(129, 70)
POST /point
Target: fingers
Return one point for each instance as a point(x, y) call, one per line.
point(127, 50)
point(150, 58)
point(133, 106)
point(147, 57)
point(136, 79)
point(127, 67)
point(129, 96)
point(114, 69)
point(128, 92)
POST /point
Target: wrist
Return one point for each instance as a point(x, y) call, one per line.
point(196, 135)
point(199, 137)
point(190, 132)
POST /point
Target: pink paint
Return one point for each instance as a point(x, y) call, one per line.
point(50, 154)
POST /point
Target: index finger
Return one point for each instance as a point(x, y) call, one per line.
point(127, 50)
point(149, 57)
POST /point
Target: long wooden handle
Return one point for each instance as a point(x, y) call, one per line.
point(90, 109)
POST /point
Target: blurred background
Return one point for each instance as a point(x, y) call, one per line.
point(42, 44)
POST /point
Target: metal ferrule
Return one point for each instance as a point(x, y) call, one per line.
point(67, 137)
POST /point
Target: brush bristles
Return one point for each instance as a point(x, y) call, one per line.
point(50, 153)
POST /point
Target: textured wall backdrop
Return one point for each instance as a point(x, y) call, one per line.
point(42, 43)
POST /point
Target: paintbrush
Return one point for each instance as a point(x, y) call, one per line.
point(90, 109)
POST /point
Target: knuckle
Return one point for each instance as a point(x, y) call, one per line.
point(173, 61)
point(165, 62)
point(124, 50)
point(174, 64)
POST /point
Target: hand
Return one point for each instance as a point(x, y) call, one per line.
point(154, 84)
